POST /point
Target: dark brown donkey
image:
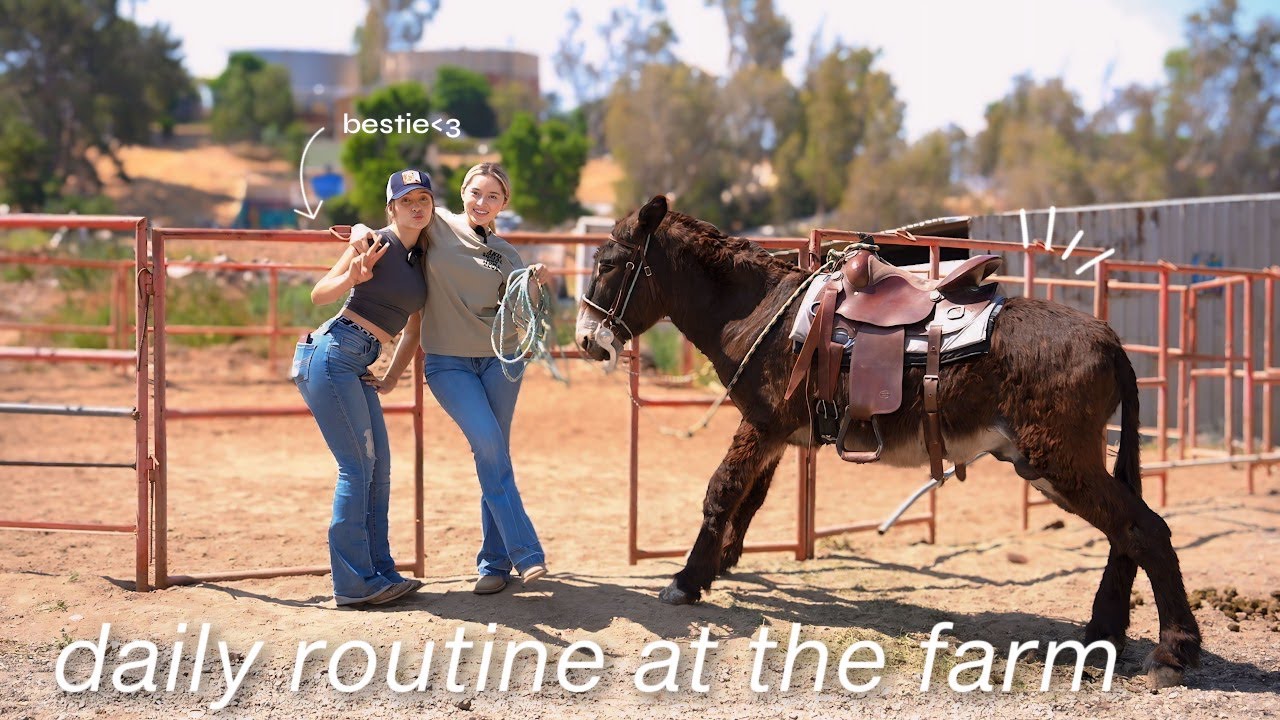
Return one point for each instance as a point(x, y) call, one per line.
point(1039, 399)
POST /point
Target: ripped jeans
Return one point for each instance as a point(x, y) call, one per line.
point(327, 371)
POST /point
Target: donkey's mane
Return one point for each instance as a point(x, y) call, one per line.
point(717, 250)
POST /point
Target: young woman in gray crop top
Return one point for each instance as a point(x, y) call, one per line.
point(331, 369)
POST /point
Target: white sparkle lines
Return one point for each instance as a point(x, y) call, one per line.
point(1048, 240)
point(1074, 241)
point(1096, 260)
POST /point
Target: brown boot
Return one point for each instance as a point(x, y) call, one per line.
point(489, 584)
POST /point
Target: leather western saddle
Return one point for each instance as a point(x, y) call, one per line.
point(868, 311)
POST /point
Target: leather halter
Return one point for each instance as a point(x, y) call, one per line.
point(631, 274)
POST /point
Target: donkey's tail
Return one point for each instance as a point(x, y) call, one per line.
point(1128, 469)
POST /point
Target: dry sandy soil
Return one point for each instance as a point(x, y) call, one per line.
point(256, 493)
point(188, 181)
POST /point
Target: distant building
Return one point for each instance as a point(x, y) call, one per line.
point(313, 74)
point(498, 66)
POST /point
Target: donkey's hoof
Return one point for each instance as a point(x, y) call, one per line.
point(673, 595)
point(1163, 676)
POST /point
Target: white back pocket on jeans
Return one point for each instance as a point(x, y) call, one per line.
point(301, 365)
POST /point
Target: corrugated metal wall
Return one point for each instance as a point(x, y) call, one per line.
point(1236, 231)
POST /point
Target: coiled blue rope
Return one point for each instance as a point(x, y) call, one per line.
point(535, 319)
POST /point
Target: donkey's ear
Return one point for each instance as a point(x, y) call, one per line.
point(651, 215)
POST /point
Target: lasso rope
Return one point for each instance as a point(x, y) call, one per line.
point(830, 264)
point(536, 321)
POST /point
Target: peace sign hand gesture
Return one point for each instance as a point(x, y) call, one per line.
point(361, 267)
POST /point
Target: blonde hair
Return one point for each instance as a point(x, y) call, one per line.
point(495, 171)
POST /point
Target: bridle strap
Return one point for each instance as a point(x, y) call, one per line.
point(635, 265)
point(608, 320)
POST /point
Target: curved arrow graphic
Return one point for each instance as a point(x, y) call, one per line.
point(310, 214)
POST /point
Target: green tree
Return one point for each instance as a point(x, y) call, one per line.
point(759, 105)
point(76, 79)
point(790, 197)
point(909, 184)
point(389, 26)
point(663, 130)
point(369, 158)
point(1034, 149)
point(370, 39)
point(849, 109)
point(1212, 128)
point(450, 178)
point(636, 36)
point(758, 35)
point(250, 99)
point(514, 97)
point(545, 164)
point(464, 94)
point(1127, 156)
point(23, 153)
point(1221, 120)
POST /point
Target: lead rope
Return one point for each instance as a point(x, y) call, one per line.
point(706, 419)
point(536, 321)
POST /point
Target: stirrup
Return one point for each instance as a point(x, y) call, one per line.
point(827, 421)
point(860, 456)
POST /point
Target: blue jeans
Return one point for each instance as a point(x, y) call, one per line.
point(482, 401)
point(327, 371)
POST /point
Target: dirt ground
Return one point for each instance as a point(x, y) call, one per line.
point(256, 493)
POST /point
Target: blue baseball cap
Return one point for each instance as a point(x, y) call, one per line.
point(406, 181)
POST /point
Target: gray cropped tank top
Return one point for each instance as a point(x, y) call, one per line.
point(397, 289)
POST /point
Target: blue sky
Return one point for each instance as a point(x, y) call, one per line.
point(949, 59)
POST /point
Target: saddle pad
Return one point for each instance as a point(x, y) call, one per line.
point(808, 308)
point(971, 339)
point(975, 333)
